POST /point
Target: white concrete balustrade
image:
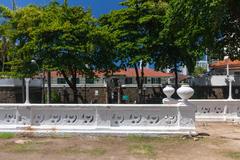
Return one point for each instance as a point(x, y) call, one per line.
point(217, 110)
point(211, 109)
point(98, 118)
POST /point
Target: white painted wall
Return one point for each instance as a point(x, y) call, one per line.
point(10, 82)
point(213, 80)
point(98, 118)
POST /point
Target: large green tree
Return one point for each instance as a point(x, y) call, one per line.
point(179, 41)
point(136, 28)
point(5, 43)
point(206, 24)
point(59, 37)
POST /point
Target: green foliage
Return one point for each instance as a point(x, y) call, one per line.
point(68, 39)
point(7, 135)
point(55, 97)
point(58, 37)
point(198, 71)
point(201, 24)
point(136, 28)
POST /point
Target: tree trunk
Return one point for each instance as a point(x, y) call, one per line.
point(74, 87)
point(140, 81)
point(72, 84)
point(75, 95)
point(176, 75)
point(49, 87)
point(138, 84)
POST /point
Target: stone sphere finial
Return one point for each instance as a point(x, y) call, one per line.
point(168, 91)
point(185, 92)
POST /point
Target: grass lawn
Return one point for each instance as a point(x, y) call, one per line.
point(218, 146)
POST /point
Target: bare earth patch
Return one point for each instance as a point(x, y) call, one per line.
point(217, 141)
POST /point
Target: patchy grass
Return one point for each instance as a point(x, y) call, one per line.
point(7, 135)
point(95, 151)
point(22, 148)
point(76, 150)
point(142, 149)
point(163, 139)
point(44, 135)
point(233, 155)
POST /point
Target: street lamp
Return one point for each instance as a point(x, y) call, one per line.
point(27, 81)
point(34, 62)
point(42, 77)
point(230, 79)
point(144, 94)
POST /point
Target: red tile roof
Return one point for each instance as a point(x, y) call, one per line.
point(222, 64)
point(130, 72)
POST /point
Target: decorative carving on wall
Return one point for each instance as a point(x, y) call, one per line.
point(70, 118)
point(10, 118)
point(55, 118)
point(212, 109)
point(218, 110)
point(117, 119)
point(153, 119)
point(87, 118)
point(135, 118)
point(38, 118)
point(83, 119)
point(205, 110)
point(170, 119)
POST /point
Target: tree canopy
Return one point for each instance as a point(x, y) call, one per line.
point(166, 33)
point(136, 28)
point(59, 37)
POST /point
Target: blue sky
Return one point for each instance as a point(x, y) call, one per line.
point(98, 7)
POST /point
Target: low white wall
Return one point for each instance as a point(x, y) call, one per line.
point(217, 110)
point(98, 118)
point(11, 82)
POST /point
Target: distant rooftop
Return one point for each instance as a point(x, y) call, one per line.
point(130, 72)
point(222, 64)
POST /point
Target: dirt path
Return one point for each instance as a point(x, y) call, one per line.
point(223, 143)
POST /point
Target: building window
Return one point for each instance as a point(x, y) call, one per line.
point(90, 80)
point(128, 81)
point(237, 74)
point(145, 80)
point(156, 80)
point(77, 81)
point(61, 81)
